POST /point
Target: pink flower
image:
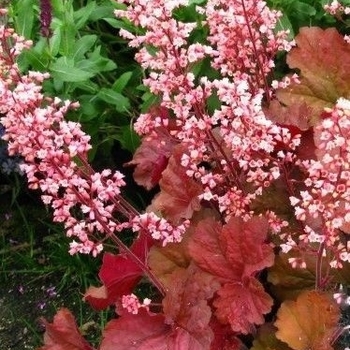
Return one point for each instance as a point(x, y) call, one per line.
point(132, 304)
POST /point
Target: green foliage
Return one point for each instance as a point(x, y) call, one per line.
point(301, 13)
point(82, 54)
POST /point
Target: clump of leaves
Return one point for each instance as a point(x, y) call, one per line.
point(245, 267)
point(80, 51)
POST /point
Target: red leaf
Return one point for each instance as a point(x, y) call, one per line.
point(119, 275)
point(280, 114)
point(208, 251)
point(151, 158)
point(234, 253)
point(224, 339)
point(178, 198)
point(186, 304)
point(223, 251)
point(242, 304)
point(244, 239)
point(145, 332)
point(322, 56)
point(63, 333)
point(163, 261)
point(181, 339)
point(97, 297)
point(142, 332)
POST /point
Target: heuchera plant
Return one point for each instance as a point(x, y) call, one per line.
point(246, 241)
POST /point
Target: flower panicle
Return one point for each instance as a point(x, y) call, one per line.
point(45, 18)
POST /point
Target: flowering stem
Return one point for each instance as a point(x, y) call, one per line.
point(260, 68)
point(318, 279)
point(228, 162)
point(151, 276)
point(119, 243)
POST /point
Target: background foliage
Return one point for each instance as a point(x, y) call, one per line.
point(89, 63)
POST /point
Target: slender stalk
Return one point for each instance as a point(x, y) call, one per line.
point(318, 279)
point(257, 56)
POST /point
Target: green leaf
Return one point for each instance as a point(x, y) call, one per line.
point(213, 103)
point(149, 101)
point(119, 24)
point(25, 17)
point(102, 11)
point(55, 41)
point(122, 81)
point(87, 86)
point(128, 138)
point(37, 56)
point(68, 30)
point(83, 45)
point(96, 63)
point(57, 6)
point(58, 84)
point(110, 96)
point(68, 39)
point(82, 15)
point(302, 9)
point(197, 2)
point(65, 70)
point(88, 108)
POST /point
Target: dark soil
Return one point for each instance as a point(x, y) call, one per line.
point(21, 306)
point(37, 277)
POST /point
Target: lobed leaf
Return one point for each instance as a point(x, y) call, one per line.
point(151, 158)
point(119, 275)
point(309, 322)
point(186, 303)
point(178, 197)
point(246, 239)
point(323, 58)
point(266, 339)
point(233, 253)
point(224, 338)
point(242, 304)
point(63, 333)
point(164, 261)
point(288, 282)
point(152, 332)
point(223, 251)
point(207, 251)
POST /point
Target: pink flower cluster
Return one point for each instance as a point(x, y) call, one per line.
point(336, 8)
point(243, 33)
point(55, 155)
point(325, 204)
point(132, 304)
point(159, 228)
point(236, 139)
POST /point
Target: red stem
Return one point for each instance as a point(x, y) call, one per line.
point(258, 61)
